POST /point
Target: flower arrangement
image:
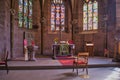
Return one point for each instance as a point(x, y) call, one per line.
point(56, 40)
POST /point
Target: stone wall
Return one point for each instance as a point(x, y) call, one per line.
point(106, 10)
point(18, 33)
point(98, 38)
point(49, 36)
point(117, 14)
point(2, 28)
point(5, 26)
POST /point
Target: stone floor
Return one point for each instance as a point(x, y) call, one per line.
point(100, 68)
point(109, 73)
point(49, 62)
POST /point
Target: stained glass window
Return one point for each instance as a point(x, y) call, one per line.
point(25, 13)
point(57, 15)
point(90, 15)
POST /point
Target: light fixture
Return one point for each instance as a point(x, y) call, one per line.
point(12, 11)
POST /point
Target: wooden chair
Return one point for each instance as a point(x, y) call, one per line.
point(4, 61)
point(81, 61)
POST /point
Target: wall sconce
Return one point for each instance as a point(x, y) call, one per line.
point(74, 21)
point(12, 11)
point(43, 20)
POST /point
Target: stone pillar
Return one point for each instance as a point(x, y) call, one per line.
point(119, 47)
point(117, 14)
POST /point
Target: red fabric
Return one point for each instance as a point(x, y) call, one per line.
point(80, 62)
point(70, 42)
point(25, 42)
point(64, 57)
point(66, 62)
point(1, 62)
point(33, 43)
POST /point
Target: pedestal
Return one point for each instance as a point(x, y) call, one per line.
point(26, 53)
point(34, 51)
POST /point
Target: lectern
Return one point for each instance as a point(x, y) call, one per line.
point(89, 47)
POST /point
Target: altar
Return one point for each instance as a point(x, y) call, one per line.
point(63, 50)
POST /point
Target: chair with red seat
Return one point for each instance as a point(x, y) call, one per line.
point(81, 61)
point(4, 61)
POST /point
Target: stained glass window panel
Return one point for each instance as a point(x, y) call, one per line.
point(85, 14)
point(90, 15)
point(30, 14)
point(25, 13)
point(52, 17)
point(62, 14)
point(20, 13)
point(57, 15)
point(95, 15)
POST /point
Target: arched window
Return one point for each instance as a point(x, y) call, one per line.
point(25, 14)
point(57, 15)
point(90, 15)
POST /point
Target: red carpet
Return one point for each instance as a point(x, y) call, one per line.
point(66, 62)
point(64, 57)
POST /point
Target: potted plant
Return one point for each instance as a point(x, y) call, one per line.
point(56, 40)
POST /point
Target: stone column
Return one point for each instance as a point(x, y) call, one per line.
point(117, 14)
